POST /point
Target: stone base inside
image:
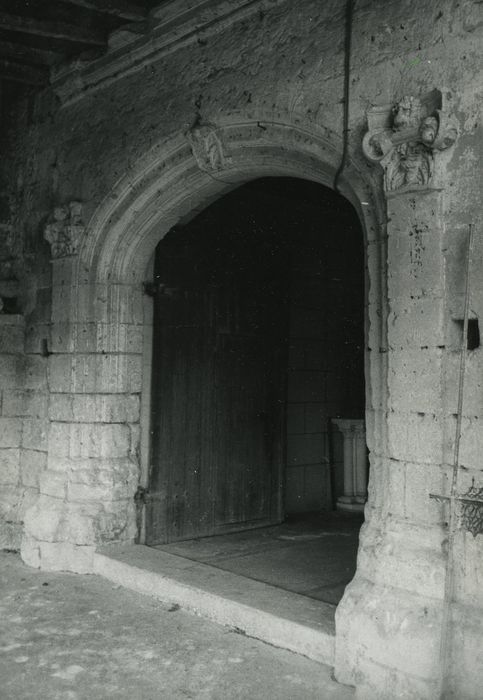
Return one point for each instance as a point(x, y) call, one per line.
point(350, 505)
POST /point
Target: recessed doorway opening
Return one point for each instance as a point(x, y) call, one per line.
point(258, 461)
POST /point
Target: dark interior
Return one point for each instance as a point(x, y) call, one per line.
point(258, 343)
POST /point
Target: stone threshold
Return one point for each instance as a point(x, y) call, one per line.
point(281, 618)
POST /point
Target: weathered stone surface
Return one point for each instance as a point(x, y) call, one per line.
point(89, 440)
point(88, 646)
point(261, 96)
point(25, 403)
point(388, 620)
point(97, 373)
point(414, 377)
point(415, 437)
point(35, 372)
point(45, 518)
point(416, 324)
point(10, 535)
point(32, 464)
point(10, 432)
point(9, 366)
point(34, 434)
point(97, 337)
point(90, 408)
point(9, 465)
point(12, 339)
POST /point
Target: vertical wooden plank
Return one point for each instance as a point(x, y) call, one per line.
point(218, 387)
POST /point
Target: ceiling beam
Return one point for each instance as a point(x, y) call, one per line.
point(25, 53)
point(123, 9)
point(20, 73)
point(53, 29)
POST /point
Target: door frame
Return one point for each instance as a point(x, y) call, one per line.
point(103, 281)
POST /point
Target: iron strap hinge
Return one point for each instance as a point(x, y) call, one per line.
point(143, 495)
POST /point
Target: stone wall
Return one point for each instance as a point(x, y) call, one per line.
point(150, 134)
point(25, 315)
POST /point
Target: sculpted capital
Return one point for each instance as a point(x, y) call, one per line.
point(405, 138)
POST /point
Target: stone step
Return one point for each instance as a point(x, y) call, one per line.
point(281, 618)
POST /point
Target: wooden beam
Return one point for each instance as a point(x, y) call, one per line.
point(123, 9)
point(21, 73)
point(25, 53)
point(53, 29)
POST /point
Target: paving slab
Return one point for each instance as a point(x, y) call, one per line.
point(72, 637)
point(269, 613)
point(313, 555)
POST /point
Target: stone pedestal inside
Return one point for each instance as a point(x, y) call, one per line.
point(355, 464)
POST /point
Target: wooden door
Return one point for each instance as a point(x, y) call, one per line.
point(219, 354)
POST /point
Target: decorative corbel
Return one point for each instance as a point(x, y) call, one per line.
point(208, 148)
point(65, 230)
point(405, 138)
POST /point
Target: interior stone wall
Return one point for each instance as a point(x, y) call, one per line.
point(326, 357)
point(132, 144)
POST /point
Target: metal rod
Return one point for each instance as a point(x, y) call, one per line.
point(445, 642)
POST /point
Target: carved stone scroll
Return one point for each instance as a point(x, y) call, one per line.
point(65, 230)
point(404, 138)
point(208, 148)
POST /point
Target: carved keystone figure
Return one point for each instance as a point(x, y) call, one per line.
point(65, 229)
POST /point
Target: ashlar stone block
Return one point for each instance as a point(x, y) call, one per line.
point(32, 464)
point(65, 556)
point(95, 408)
point(97, 373)
point(392, 628)
point(46, 519)
point(12, 338)
point(34, 434)
point(414, 379)
point(416, 264)
point(415, 324)
point(35, 372)
point(415, 437)
point(467, 633)
point(10, 432)
point(97, 337)
point(473, 383)
point(9, 466)
point(10, 368)
point(85, 440)
point(54, 484)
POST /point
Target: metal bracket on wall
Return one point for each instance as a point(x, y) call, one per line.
point(470, 508)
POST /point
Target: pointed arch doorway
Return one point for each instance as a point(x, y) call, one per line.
point(258, 342)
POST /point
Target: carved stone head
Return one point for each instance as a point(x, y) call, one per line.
point(429, 130)
point(407, 113)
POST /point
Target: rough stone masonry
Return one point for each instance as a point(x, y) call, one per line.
point(106, 159)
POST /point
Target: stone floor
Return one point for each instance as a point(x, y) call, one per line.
point(313, 555)
point(71, 637)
